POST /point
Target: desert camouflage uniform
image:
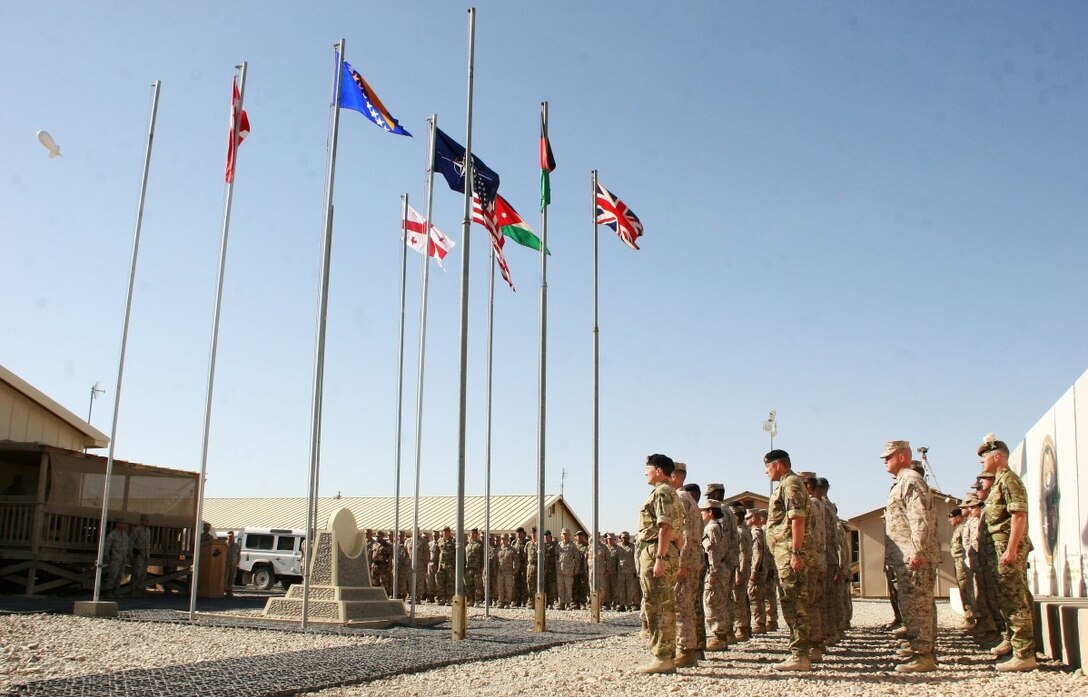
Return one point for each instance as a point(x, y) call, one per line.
point(689, 538)
point(568, 561)
point(911, 528)
point(474, 569)
point(508, 564)
point(432, 569)
point(816, 531)
point(445, 580)
point(716, 589)
point(830, 599)
point(979, 548)
point(116, 553)
point(1014, 599)
point(141, 553)
point(959, 563)
point(788, 501)
point(627, 588)
point(551, 582)
point(742, 613)
point(757, 579)
point(663, 507)
point(381, 564)
point(604, 574)
point(731, 561)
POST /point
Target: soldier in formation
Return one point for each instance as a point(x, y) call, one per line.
point(474, 567)
point(627, 592)
point(793, 552)
point(234, 555)
point(688, 537)
point(742, 612)
point(141, 554)
point(568, 561)
point(660, 520)
point(381, 562)
point(116, 554)
point(447, 565)
point(716, 591)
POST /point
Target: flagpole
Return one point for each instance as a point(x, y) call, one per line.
point(459, 610)
point(540, 623)
point(596, 372)
point(433, 122)
point(124, 344)
point(400, 391)
point(487, 437)
point(319, 344)
point(236, 120)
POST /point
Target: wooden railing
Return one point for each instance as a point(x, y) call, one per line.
point(75, 531)
point(16, 522)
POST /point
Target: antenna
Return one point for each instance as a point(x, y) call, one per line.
point(928, 467)
point(562, 480)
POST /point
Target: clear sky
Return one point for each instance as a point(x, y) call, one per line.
point(869, 216)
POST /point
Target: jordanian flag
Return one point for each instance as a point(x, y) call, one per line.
point(511, 225)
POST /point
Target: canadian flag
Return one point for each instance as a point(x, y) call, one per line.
point(243, 130)
point(414, 237)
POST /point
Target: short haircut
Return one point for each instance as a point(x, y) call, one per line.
point(664, 462)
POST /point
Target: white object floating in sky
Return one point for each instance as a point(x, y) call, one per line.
point(47, 140)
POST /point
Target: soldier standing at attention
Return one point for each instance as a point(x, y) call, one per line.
point(234, 555)
point(742, 612)
point(381, 562)
point(507, 563)
point(716, 492)
point(959, 557)
point(603, 562)
point(432, 567)
point(447, 564)
point(474, 567)
point(141, 553)
point(627, 591)
point(521, 594)
point(688, 536)
point(567, 563)
point(1006, 518)
point(834, 603)
point(660, 520)
point(580, 592)
point(912, 554)
point(787, 520)
point(816, 533)
point(716, 590)
point(757, 601)
point(550, 580)
point(530, 571)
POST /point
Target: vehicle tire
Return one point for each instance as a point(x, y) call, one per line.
point(263, 578)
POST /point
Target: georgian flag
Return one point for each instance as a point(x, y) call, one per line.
point(440, 245)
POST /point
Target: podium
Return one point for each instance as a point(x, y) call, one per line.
point(213, 569)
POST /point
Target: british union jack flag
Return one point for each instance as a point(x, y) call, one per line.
point(615, 214)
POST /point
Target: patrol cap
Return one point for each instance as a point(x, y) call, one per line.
point(984, 475)
point(990, 443)
point(976, 485)
point(580, 532)
point(894, 446)
point(774, 455)
point(678, 466)
point(971, 501)
point(710, 504)
point(565, 531)
point(663, 461)
point(807, 476)
point(715, 491)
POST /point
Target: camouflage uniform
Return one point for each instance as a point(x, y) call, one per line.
point(551, 582)
point(141, 553)
point(832, 610)
point(816, 531)
point(788, 501)
point(422, 556)
point(663, 507)
point(381, 564)
point(959, 558)
point(730, 562)
point(432, 568)
point(474, 567)
point(568, 560)
point(520, 589)
point(508, 564)
point(689, 538)
point(978, 547)
point(628, 589)
point(447, 568)
point(118, 548)
point(757, 580)
point(742, 613)
point(530, 572)
point(1014, 599)
point(604, 574)
point(911, 528)
point(716, 590)
point(580, 587)
point(234, 555)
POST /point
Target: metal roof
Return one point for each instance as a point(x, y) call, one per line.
point(508, 512)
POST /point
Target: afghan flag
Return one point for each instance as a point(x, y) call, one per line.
point(547, 166)
point(513, 226)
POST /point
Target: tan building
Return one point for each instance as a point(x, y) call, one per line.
point(28, 416)
point(508, 512)
point(869, 542)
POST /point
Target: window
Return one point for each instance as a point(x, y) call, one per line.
point(285, 544)
point(259, 541)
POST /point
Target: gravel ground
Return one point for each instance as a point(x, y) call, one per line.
point(862, 664)
point(37, 647)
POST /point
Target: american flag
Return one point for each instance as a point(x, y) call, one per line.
point(486, 217)
point(615, 214)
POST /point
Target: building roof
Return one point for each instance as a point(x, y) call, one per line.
point(508, 512)
point(94, 437)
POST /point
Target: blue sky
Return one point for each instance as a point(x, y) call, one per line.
point(870, 217)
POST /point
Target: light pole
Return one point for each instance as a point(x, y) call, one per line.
point(771, 426)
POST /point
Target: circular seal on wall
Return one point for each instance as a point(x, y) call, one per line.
point(1050, 497)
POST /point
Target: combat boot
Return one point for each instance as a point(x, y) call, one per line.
point(922, 663)
point(759, 629)
point(905, 653)
point(739, 635)
point(1002, 649)
point(687, 658)
point(815, 655)
point(793, 663)
point(1016, 665)
point(658, 665)
point(900, 631)
point(715, 643)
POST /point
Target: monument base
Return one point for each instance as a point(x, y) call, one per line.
point(90, 608)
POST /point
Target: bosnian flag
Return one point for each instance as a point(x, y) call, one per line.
point(440, 245)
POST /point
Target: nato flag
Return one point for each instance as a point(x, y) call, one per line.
point(449, 159)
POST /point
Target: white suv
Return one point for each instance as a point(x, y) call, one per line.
point(269, 555)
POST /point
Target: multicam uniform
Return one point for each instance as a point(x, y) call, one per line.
point(911, 528)
point(789, 501)
point(474, 570)
point(1014, 599)
point(731, 561)
point(447, 565)
point(816, 531)
point(663, 507)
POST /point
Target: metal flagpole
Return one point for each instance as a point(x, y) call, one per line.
point(487, 430)
point(459, 613)
point(124, 343)
point(236, 118)
point(319, 344)
point(400, 392)
point(596, 379)
point(540, 622)
point(433, 123)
